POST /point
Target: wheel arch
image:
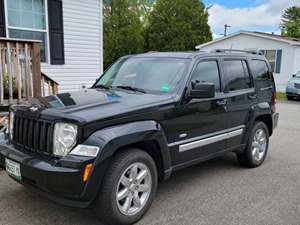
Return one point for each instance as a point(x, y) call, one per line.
point(152, 147)
point(148, 136)
point(266, 119)
point(145, 135)
point(263, 113)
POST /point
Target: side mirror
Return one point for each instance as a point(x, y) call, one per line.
point(202, 90)
point(294, 75)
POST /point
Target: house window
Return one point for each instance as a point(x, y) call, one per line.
point(271, 57)
point(274, 58)
point(26, 19)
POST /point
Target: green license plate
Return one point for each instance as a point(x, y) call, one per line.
point(13, 169)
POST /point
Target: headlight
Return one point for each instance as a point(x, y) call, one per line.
point(65, 136)
point(11, 125)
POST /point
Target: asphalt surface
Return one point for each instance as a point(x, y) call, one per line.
point(215, 192)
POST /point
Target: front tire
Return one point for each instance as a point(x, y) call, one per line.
point(128, 189)
point(257, 146)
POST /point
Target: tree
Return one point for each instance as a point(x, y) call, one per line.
point(291, 22)
point(177, 25)
point(123, 29)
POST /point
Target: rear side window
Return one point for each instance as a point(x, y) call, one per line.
point(260, 70)
point(237, 75)
point(207, 71)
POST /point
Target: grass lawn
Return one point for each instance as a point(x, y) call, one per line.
point(280, 95)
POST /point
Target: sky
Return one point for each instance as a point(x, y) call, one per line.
point(252, 15)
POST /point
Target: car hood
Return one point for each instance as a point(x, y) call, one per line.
point(94, 104)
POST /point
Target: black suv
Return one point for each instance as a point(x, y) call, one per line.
point(146, 117)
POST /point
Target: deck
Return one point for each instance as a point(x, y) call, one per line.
point(20, 74)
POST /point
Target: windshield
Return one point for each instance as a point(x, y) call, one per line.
point(298, 75)
point(153, 75)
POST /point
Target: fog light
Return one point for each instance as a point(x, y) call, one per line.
point(85, 150)
point(87, 172)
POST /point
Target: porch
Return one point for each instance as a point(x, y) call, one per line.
point(20, 75)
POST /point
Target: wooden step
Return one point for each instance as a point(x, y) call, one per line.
point(3, 114)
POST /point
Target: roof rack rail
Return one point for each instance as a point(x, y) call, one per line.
point(237, 50)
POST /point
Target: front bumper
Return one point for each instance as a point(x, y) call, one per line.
point(293, 95)
point(292, 92)
point(61, 181)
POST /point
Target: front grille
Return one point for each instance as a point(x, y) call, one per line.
point(33, 134)
point(297, 86)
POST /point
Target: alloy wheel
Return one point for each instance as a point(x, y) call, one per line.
point(134, 189)
point(259, 144)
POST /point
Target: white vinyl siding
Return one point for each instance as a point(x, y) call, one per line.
point(83, 50)
point(296, 64)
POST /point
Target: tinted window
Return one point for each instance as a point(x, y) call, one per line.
point(237, 75)
point(260, 70)
point(207, 72)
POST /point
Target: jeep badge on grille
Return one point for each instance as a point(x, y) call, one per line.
point(33, 109)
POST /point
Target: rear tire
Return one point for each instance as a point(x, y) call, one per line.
point(120, 201)
point(257, 146)
point(289, 98)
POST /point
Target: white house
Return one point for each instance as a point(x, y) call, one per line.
point(283, 53)
point(71, 35)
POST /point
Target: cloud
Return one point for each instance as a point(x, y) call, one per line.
point(265, 14)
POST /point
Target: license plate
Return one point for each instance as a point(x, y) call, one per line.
point(13, 169)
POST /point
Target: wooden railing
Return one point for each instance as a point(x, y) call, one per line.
point(49, 86)
point(20, 72)
point(20, 75)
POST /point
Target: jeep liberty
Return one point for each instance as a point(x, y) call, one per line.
point(147, 116)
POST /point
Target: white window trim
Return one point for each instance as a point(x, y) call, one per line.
point(47, 35)
point(27, 29)
point(47, 62)
point(275, 67)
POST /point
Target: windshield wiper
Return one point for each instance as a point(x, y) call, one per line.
point(130, 88)
point(102, 86)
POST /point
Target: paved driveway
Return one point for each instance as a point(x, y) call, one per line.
point(215, 192)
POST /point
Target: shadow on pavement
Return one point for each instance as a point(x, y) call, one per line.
point(29, 204)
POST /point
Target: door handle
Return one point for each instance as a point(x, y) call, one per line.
point(267, 88)
point(222, 102)
point(252, 97)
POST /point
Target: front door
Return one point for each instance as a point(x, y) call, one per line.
point(201, 123)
